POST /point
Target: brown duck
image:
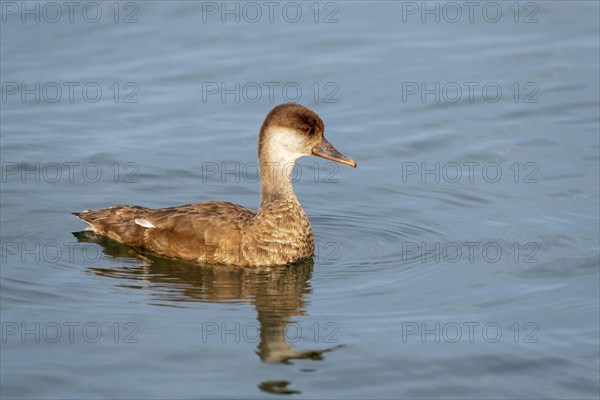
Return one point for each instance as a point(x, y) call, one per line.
point(225, 233)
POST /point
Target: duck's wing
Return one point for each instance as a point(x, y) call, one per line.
point(208, 232)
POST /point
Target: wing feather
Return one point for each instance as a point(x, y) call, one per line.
point(208, 232)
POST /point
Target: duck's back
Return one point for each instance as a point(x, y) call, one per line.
point(205, 232)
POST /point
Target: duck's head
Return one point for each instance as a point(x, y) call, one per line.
point(291, 131)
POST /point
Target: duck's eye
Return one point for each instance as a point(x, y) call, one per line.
point(305, 128)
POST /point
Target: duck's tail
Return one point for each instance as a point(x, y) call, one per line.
point(117, 223)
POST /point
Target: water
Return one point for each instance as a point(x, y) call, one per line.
point(459, 260)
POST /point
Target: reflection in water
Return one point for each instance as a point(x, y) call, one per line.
point(277, 387)
point(277, 293)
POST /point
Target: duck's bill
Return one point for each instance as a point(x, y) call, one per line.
point(326, 150)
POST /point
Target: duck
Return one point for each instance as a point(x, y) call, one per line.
point(223, 233)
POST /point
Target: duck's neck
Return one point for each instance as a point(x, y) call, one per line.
point(276, 181)
point(277, 155)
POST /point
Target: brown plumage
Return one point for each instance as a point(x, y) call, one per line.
point(225, 233)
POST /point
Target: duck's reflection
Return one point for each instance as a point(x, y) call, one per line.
point(277, 293)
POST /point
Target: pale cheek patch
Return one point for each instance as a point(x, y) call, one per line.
point(285, 145)
point(144, 222)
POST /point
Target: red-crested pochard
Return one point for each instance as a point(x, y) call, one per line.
point(224, 233)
